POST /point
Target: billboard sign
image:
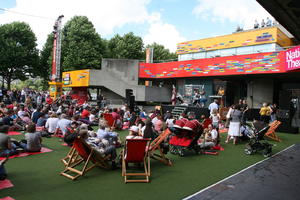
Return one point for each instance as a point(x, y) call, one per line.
point(292, 58)
point(78, 78)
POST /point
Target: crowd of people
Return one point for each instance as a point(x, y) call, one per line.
point(237, 116)
point(39, 116)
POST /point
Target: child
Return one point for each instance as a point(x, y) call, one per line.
point(215, 117)
point(211, 137)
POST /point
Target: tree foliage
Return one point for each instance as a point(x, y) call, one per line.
point(35, 84)
point(19, 56)
point(160, 53)
point(45, 63)
point(82, 47)
point(128, 47)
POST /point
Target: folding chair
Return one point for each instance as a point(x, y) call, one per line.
point(72, 153)
point(135, 151)
point(109, 118)
point(156, 145)
point(271, 132)
point(89, 157)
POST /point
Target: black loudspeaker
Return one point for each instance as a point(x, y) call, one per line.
point(129, 93)
point(284, 99)
point(131, 103)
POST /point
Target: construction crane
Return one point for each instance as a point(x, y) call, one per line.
point(55, 86)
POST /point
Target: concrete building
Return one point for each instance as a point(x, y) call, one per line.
point(247, 65)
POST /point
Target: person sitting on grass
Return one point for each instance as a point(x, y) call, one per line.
point(33, 139)
point(62, 124)
point(51, 123)
point(102, 146)
point(41, 122)
point(211, 138)
point(26, 119)
point(117, 118)
point(3, 173)
point(8, 120)
point(7, 147)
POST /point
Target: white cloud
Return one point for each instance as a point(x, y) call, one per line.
point(106, 15)
point(242, 12)
point(163, 33)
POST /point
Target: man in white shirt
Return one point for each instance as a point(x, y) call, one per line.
point(51, 123)
point(63, 123)
point(213, 105)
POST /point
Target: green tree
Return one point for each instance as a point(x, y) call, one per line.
point(19, 55)
point(82, 47)
point(45, 62)
point(128, 47)
point(160, 53)
point(35, 84)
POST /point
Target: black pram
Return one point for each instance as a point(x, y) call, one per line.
point(257, 143)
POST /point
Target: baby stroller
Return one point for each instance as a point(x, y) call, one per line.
point(185, 136)
point(257, 143)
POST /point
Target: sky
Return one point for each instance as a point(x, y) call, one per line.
point(166, 22)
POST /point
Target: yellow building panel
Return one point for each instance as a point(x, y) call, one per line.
point(283, 40)
point(239, 39)
point(78, 78)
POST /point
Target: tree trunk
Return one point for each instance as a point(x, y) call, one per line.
point(2, 81)
point(8, 81)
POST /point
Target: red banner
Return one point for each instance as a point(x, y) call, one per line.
point(292, 61)
point(260, 63)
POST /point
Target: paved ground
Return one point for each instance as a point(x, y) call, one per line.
point(277, 178)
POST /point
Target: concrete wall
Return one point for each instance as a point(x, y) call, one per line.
point(124, 69)
point(158, 94)
point(260, 91)
point(117, 75)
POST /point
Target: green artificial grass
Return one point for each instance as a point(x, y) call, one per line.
point(36, 177)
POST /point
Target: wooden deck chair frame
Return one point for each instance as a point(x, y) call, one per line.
point(146, 163)
point(155, 145)
point(108, 118)
point(90, 160)
point(66, 159)
point(271, 132)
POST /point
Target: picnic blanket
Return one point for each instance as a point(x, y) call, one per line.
point(43, 150)
point(14, 133)
point(7, 198)
point(224, 130)
point(5, 184)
